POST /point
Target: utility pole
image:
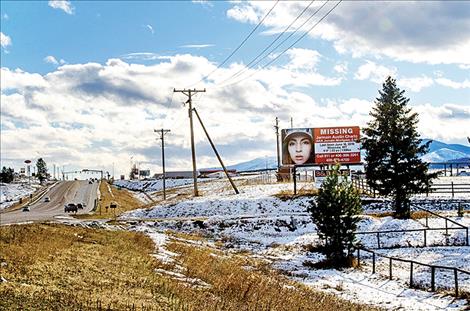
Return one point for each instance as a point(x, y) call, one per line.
point(291, 123)
point(276, 127)
point(162, 137)
point(189, 93)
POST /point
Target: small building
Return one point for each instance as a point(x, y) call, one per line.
point(217, 173)
point(176, 174)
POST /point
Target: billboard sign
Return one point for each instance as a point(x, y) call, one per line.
point(297, 146)
point(337, 144)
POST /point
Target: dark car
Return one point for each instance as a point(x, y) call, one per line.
point(47, 199)
point(26, 208)
point(71, 207)
point(80, 206)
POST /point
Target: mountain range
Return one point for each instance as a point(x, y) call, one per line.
point(438, 152)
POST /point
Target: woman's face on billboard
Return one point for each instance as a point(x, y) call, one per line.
point(299, 148)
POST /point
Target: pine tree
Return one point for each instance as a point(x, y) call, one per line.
point(335, 215)
point(41, 169)
point(6, 175)
point(393, 167)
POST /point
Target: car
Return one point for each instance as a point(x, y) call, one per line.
point(71, 207)
point(47, 199)
point(90, 182)
point(80, 206)
point(26, 208)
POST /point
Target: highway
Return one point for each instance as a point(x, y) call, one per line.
point(63, 192)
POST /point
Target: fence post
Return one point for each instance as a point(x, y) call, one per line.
point(358, 257)
point(433, 278)
point(373, 263)
point(411, 275)
point(378, 239)
point(452, 184)
point(390, 268)
point(456, 279)
point(425, 237)
point(447, 231)
point(427, 226)
point(466, 229)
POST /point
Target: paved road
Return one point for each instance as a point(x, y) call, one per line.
point(78, 191)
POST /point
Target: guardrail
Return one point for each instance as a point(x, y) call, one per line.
point(413, 264)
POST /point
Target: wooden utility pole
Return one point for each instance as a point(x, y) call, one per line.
point(276, 127)
point(189, 92)
point(162, 137)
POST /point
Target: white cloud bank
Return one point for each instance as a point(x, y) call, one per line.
point(93, 115)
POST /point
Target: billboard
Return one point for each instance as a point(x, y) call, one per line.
point(341, 144)
point(325, 145)
point(297, 146)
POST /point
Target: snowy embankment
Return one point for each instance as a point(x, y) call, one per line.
point(11, 193)
point(151, 185)
point(283, 233)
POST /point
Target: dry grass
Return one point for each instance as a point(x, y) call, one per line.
point(55, 267)
point(241, 283)
point(289, 194)
point(58, 267)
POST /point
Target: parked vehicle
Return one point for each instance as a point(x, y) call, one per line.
point(47, 199)
point(71, 207)
point(80, 206)
point(26, 208)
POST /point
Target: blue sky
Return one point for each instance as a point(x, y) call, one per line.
point(85, 83)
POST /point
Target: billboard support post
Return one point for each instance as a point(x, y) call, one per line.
point(277, 144)
point(295, 179)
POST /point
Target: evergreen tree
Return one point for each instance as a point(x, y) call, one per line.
point(41, 169)
point(335, 215)
point(393, 167)
point(6, 175)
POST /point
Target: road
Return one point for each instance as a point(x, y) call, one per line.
point(64, 192)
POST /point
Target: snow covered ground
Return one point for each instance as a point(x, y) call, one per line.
point(11, 193)
point(282, 233)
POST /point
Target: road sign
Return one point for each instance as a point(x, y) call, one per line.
point(337, 144)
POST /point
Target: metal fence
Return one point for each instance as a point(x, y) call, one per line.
point(413, 265)
point(425, 230)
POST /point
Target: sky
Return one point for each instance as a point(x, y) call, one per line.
point(84, 84)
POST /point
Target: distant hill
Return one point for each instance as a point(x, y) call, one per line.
point(438, 152)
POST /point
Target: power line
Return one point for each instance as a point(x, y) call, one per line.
point(289, 47)
point(274, 41)
point(240, 45)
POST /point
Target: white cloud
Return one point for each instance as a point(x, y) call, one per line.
point(5, 40)
point(341, 68)
point(203, 2)
point(5, 16)
point(373, 72)
point(51, 60)
point(149, 27)
point(63, 5)
point(303, 58)
point(435, 32)
point(452, 84)
point(197, 46)
point(415, 84)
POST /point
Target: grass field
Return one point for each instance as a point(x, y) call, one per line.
point(59, 267)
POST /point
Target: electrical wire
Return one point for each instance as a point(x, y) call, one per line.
point(289, 47)
point(248, 66)
point(240, 45)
